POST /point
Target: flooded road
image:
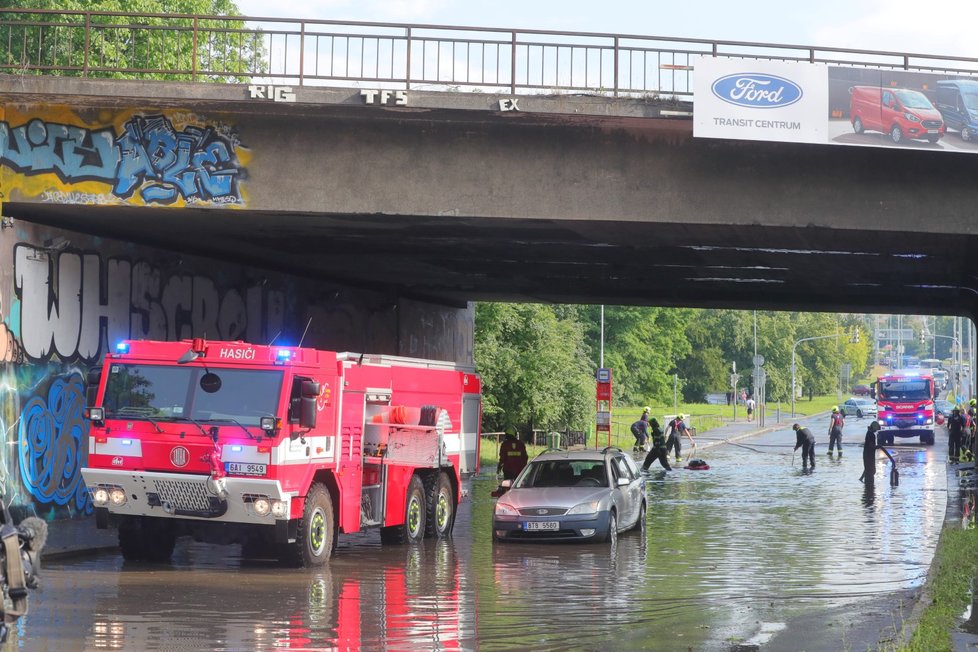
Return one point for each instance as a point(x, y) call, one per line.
point(752, 554)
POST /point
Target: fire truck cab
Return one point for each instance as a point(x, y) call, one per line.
point(905, 406)
point(277, 448)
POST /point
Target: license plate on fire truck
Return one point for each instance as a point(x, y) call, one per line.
point(241, 468)
point(541, 525)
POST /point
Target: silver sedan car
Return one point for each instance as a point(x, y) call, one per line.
point(581, 495)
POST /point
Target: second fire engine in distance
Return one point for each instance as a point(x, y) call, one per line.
point(905, 406)
point(277, 448)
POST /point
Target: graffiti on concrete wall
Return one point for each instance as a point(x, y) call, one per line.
point(51, 444)
point(73, 304)
point(198, 164)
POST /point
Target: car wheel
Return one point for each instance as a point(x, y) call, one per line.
point(857, 125)
point(640, 523)
point(859, 414)
point(612, 535)
point(965, 134)
point(896, 135)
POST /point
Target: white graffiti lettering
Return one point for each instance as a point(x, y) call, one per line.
point(73, 305)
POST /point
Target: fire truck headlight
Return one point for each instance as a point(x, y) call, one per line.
point(95, 414)
point(270, 424)
point(100, 496)
point(280, 508)
point(261, 506)
point(117, 496)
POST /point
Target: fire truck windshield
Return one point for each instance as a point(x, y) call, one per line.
point(905, 390)
point(158, 392)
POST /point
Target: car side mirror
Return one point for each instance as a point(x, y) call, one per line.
point(506, 484)
point(623, 482)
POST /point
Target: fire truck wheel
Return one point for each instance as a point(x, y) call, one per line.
point(412, 531)
point(146, 539)
point(441, 505)
point(316, 534)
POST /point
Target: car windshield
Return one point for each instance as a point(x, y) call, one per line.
point(907, 390)
point(159, 392)
point(971, 101)
point(564, 473)
point(914, 100)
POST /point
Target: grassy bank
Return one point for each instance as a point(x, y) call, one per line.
point(949, 588)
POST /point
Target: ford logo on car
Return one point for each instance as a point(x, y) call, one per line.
point(757, 90)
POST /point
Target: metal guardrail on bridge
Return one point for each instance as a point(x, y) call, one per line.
point(235, 49)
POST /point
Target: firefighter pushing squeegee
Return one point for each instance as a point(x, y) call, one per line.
point(276, 448)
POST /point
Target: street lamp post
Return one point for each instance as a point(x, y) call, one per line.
point(957, 344)
point(793, 348)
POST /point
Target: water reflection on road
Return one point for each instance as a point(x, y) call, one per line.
point(751, 553)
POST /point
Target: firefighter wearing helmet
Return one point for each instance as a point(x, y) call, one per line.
point(836, 423)
point(805, 440)
point(512, 456)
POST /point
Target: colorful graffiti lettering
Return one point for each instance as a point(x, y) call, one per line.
point(51, 445)
point(198, 163)
point(73, 304)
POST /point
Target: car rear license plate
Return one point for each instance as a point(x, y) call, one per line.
point(541, 525)
point(932, 131)
point(241, 468)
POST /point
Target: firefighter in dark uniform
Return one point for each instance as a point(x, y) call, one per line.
point(805, 440)
point(658, 450)
point(968, 441)
point(956, 424)
point(512, 456)
point(869, 454)
point(836, 423)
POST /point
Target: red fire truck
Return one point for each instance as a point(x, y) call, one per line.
point(276, 448)
point(905, 406)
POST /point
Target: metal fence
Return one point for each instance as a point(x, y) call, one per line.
point(390, 55)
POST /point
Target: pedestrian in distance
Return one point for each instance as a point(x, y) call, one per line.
point(674, 431)
point(750, 408)
point(658, 450)
point(836, 423)
point(869, 453)
point(956, 426)
point(512, 456)
point(805, 440)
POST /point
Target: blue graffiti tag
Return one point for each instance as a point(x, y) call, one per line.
point(51, 444)
point(197, 163)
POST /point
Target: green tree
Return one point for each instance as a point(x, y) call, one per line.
point(642, 347)
point(535, 367)
point(131, 47)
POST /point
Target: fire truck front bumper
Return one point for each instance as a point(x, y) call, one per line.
point(146, 493)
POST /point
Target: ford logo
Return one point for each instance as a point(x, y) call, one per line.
point(757, 90)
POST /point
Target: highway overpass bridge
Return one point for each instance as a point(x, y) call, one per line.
point(368, 214)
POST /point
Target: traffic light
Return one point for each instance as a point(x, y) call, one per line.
point(923, 337)
point(854, 338)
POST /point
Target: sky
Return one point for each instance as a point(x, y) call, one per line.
point(894, 25)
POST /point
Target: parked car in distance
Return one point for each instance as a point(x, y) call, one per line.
point(860, 407)
point(957, 100)
point(862, 390)
point(581, 495)
point(900, 112)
